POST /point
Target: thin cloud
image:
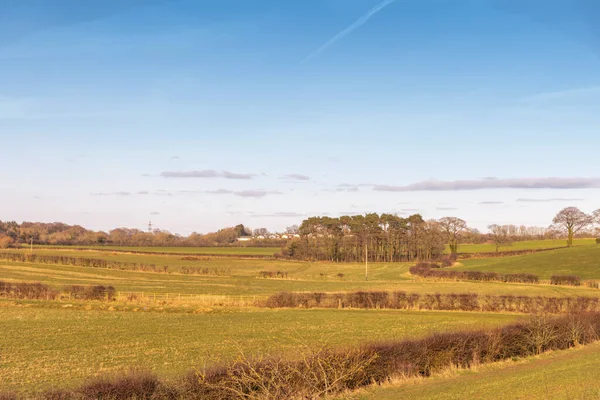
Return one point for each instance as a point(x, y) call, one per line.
point(255, 193)
point(551, 200)
point(296, 177)
point(494, 183)
point(219, 191)
point(491, 202)
point(143, 192)
point(281, 215)
point(233, 175)
point(360, 22)
point(446, 208)
point(347, 189)
point(208, 173)
point(154, 213)
point(122, 194)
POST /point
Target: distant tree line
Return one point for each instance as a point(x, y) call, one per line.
point(375, 237)
point(15, 234)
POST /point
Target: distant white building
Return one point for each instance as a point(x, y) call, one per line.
point(244, 239)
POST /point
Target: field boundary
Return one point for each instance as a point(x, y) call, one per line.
point(161, 253)
point(508, 253)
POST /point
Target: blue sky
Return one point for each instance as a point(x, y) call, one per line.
point(203, 114)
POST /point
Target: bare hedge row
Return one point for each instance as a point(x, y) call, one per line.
point(107, 264)
point(432, 270)
point(328, 372)
point(39, 291)
point(78, 262)
point(400, 300)
point(506, 253)
point(427, 270)
point(569, 280)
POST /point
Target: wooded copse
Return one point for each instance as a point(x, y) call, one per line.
point(372, 237)
point(385, 237)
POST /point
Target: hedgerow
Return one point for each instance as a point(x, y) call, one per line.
point(427, 270)
point(401, 300)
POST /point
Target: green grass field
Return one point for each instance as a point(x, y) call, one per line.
point(46, 347)
point(238, 251)
point(583, 261)
point(517, 246)
point(570, 374)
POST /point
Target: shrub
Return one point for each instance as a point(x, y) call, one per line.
point(33, 291)
point(570, 280)
point(448, 261)
point(92, 292)
point(597, 240)
point(134, 385)
point(592, 284)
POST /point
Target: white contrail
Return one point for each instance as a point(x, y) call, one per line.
point(360, 22)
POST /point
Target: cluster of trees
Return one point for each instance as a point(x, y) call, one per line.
point(370, 237)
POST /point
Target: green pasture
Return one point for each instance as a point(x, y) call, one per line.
point(41, 348)
point(583, 261)
point(518, 246)
point(564, 375)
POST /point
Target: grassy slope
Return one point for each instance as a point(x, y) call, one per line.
point(570, 374)
point(45, 347)
point(525, 245)
point(583, 261)
point(264, 251)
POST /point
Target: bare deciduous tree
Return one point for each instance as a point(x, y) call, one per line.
point(452, 227)
point(500, 235)
point(6, 241)
point(572, 220)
